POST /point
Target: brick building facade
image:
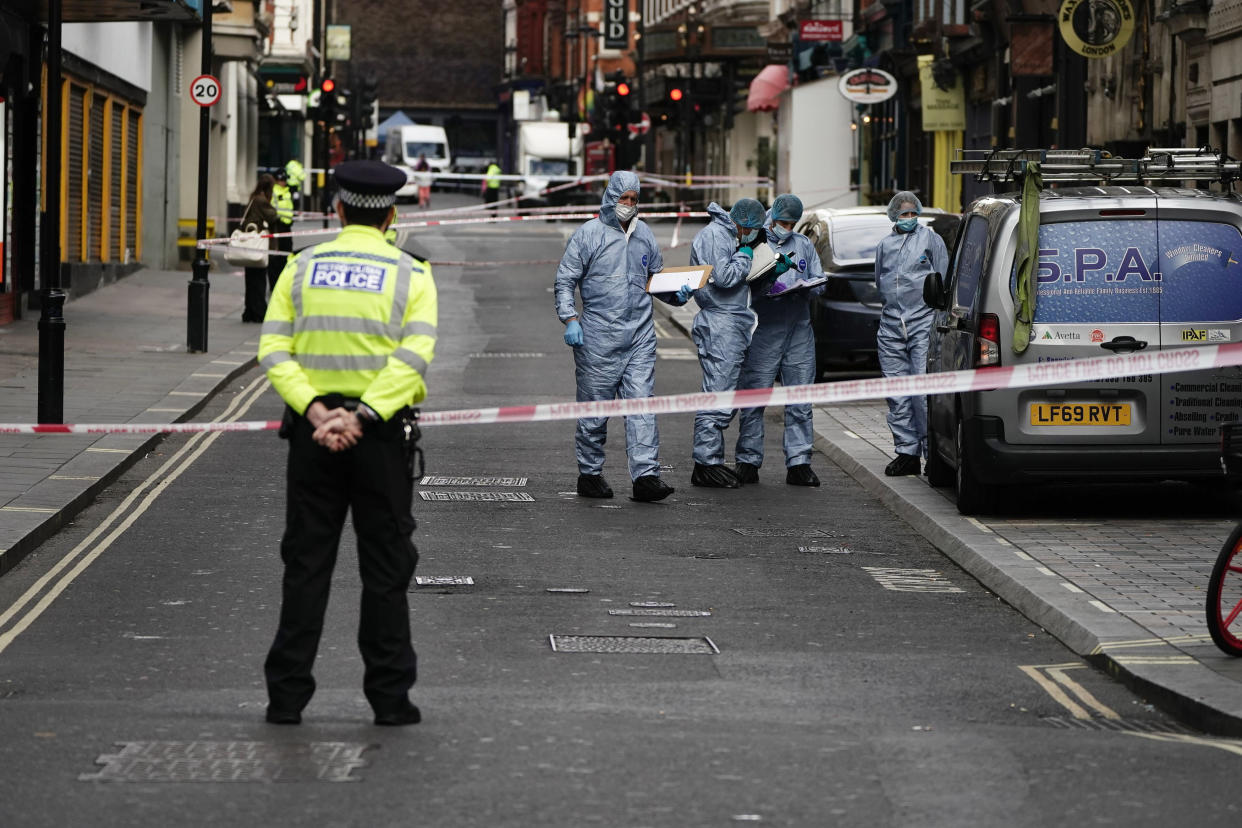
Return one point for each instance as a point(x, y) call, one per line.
point(437, 62)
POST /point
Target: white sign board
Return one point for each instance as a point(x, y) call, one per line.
point(205, 90)
point(867, 85)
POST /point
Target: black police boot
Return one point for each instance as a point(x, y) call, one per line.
point(716, 476)
point(407, 715)
point(801, 475)
point(282, 717)
point(593, 485)
point(650, 488)
point(903, 464)
point(746, 473)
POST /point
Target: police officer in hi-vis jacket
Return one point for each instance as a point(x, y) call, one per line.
point(349, 333)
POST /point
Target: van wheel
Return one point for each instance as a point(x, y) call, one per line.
point(939, 474)
point(973, 498)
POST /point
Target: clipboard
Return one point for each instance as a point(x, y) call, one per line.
point(762, 260)
point(670, 279)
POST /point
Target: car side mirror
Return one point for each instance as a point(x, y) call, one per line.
point(934, 293)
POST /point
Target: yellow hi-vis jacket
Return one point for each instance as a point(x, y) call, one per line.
point(353, 316)
point(493, 177)
point(282, 200)
point(295, 172)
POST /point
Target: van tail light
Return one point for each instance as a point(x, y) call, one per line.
point(988, 341)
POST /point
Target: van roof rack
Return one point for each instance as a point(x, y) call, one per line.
point(1093, 165)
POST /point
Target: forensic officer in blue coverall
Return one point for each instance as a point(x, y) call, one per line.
point(903, 260)
point(608, 261)
point(783, 346)
point(723, 325)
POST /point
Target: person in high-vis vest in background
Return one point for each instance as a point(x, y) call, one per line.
point(491, 184)
point(282, 200)
point(349, 334)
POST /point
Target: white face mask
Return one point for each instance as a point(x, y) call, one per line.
point(625, 212)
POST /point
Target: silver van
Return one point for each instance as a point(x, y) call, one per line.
point(1122, 268)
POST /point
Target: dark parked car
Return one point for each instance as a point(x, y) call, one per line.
point(846, 315)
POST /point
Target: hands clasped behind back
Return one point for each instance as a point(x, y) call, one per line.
point(336, 429)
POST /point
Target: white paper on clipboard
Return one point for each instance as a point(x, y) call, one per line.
point(763, 259)
point(670, 279)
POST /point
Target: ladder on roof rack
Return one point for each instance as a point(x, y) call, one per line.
point(1092, 166)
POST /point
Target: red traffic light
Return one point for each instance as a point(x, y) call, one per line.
point(328, 85)
point(674, 94)
point(623, 89)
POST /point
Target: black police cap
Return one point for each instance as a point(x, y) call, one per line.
point(369, 184)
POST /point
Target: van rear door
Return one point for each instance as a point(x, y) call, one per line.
point(1200, 304)
point(1097, 292)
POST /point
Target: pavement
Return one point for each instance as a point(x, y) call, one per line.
point(1125, 594)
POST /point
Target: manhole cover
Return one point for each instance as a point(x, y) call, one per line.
point(444, 580)
point(444, 480)
point(510, 497)
point(701, 645)
point(1117, 725)
point(662, 613)
point(785, 532)
point(229, 762)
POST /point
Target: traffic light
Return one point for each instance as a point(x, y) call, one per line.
point(368, 95)
point(675, 94)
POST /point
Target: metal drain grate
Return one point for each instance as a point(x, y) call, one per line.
point(444, 480)
point(825, 550)
point(662, 613)
point(1117, 725)
point(444, 580)
point(230, 762)
point(506, 355)
point(911, 580)
point(490, 497)
point(701, 645)
point(782, 533)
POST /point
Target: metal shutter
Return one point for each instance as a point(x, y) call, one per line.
point(133, 182)
point(95, 179)
point(72, 222)
point(116, 244)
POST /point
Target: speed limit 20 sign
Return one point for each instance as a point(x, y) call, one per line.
point(205, 90)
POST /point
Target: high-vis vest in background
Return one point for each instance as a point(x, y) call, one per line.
point(282, 200)
point(493, 177)
point(295, 173)
point(353, 316)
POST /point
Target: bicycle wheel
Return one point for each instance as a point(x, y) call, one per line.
point(1224, 596)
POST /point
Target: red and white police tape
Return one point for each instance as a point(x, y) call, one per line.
point(981, 379)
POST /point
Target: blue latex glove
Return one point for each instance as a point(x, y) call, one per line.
point(683, 294)
point(573, 333)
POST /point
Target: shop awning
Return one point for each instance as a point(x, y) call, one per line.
point(766, 88)
point(105, 11)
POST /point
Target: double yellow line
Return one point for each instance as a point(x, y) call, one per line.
point(16, 618)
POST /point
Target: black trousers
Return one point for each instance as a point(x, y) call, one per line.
point(373, 480)
point(275, 264)
point(255, 307)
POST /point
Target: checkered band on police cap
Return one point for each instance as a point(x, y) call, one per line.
point(368, 184)
point(368, 201)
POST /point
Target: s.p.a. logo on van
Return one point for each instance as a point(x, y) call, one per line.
point(348, 276)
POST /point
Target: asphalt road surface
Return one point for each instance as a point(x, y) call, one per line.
point(860, 679)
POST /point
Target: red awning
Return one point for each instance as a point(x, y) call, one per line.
point(766, 88)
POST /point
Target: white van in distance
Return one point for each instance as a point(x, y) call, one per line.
point(404, 144)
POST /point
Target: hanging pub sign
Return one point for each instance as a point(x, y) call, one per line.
point(616, 24)
point(1096, 28)
point(867, 85)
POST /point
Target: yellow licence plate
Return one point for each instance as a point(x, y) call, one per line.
point(1080, 414)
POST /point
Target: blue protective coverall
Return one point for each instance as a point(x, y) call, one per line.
point(722, 327)
point(783, 346)
point(902, 262)
point(609, 267)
